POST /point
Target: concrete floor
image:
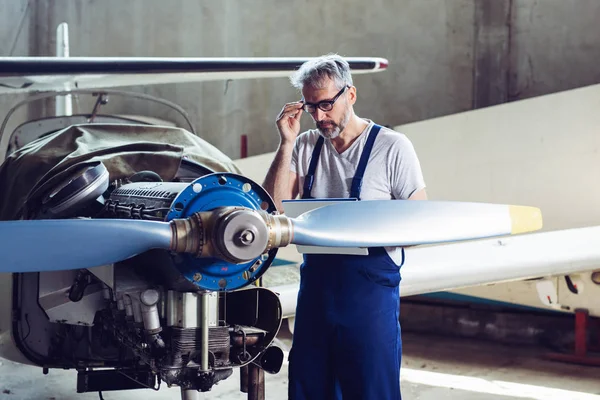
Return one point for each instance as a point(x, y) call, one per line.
point(434, 368)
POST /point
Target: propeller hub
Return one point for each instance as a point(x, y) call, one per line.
point(242, 235)
point(281, 230)
point(208, 259)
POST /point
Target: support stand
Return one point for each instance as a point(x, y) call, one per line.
point(581, 355)
point(252, 381)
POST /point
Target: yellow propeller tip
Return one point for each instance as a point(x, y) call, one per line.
point(525, 219)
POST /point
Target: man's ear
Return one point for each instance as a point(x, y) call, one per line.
point(352, 95)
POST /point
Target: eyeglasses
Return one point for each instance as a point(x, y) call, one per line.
point(325, 105)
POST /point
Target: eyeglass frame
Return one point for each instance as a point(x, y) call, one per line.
point(318, 105)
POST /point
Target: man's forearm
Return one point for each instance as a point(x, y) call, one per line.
point(277, 181)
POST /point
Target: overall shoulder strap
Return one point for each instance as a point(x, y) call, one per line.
point(362, 164)
point(310, 176)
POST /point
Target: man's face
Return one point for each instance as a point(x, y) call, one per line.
point(329, 123)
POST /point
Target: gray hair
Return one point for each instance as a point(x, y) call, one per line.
point(314, 72)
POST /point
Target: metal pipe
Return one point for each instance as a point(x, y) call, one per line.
point(243, 146)
point(205, 298)
point(106, 293)
point(256, 382)
point(137, 311)
point(162, 308)
point(172, 303)
point(244, 379)
point(128, 306)
point(120, 304)
point(149, 299)
point(64, 105)
point(190, 394)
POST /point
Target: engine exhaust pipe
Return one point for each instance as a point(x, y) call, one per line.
point(270, 360)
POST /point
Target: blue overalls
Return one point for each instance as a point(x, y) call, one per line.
point(347, 335)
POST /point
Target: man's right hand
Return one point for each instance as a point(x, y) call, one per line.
point(288, 122)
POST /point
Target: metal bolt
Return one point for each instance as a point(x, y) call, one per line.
point(197, 276)
point(255, 266)
point(247, 237)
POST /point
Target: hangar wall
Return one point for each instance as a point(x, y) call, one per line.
point(15, 20)
point(445, 56)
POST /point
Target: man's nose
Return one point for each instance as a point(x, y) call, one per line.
point(319, 114)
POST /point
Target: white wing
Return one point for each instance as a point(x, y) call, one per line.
point(454, 266)
point(33, 74)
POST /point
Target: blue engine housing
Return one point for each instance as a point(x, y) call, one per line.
point(205, 194)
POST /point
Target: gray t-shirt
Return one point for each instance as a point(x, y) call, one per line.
point(393, 170)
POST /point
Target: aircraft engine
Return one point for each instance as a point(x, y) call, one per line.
point(164, 201)
point(159, 316)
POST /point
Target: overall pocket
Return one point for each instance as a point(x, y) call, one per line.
point(381, 269)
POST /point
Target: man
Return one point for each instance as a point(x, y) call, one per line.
point(346, 336)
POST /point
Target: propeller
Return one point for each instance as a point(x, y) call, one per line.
point(238, 234)
point(61, 244)
point(379, 223)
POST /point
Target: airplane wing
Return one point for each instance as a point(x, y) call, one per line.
point(35, 74)
point(453, 266)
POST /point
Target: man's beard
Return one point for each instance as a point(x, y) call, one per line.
point(333, 130)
